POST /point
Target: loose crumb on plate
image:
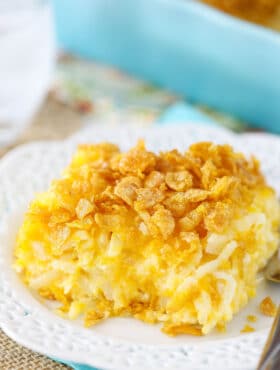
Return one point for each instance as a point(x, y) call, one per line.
point(247, 329)
point(252, 318)
point(268, 307)
point(182, 329)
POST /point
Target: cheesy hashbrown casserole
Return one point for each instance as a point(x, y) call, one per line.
point(172, 238)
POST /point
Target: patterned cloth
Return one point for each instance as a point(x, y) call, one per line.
point(15, 357)
point(104, 94)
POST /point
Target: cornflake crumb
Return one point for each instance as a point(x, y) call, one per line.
point(268, 307)
point(247, 329)
point(252, 318)
point(182, 329)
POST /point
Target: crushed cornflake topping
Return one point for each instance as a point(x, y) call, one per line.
point(268, 307)
point(84, 207)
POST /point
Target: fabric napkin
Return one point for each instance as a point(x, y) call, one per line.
point(177, 113)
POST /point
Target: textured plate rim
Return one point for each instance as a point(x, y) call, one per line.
point(77, 357)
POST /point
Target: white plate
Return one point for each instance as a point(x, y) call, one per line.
point(119, 343)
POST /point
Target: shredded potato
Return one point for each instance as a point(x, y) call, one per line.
point(175, 238)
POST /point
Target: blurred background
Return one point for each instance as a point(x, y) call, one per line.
point(66, 63)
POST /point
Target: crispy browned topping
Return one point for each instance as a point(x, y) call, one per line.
point(161, 188)
point(203, 183)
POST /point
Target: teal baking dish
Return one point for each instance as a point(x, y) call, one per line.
point(183, 45)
